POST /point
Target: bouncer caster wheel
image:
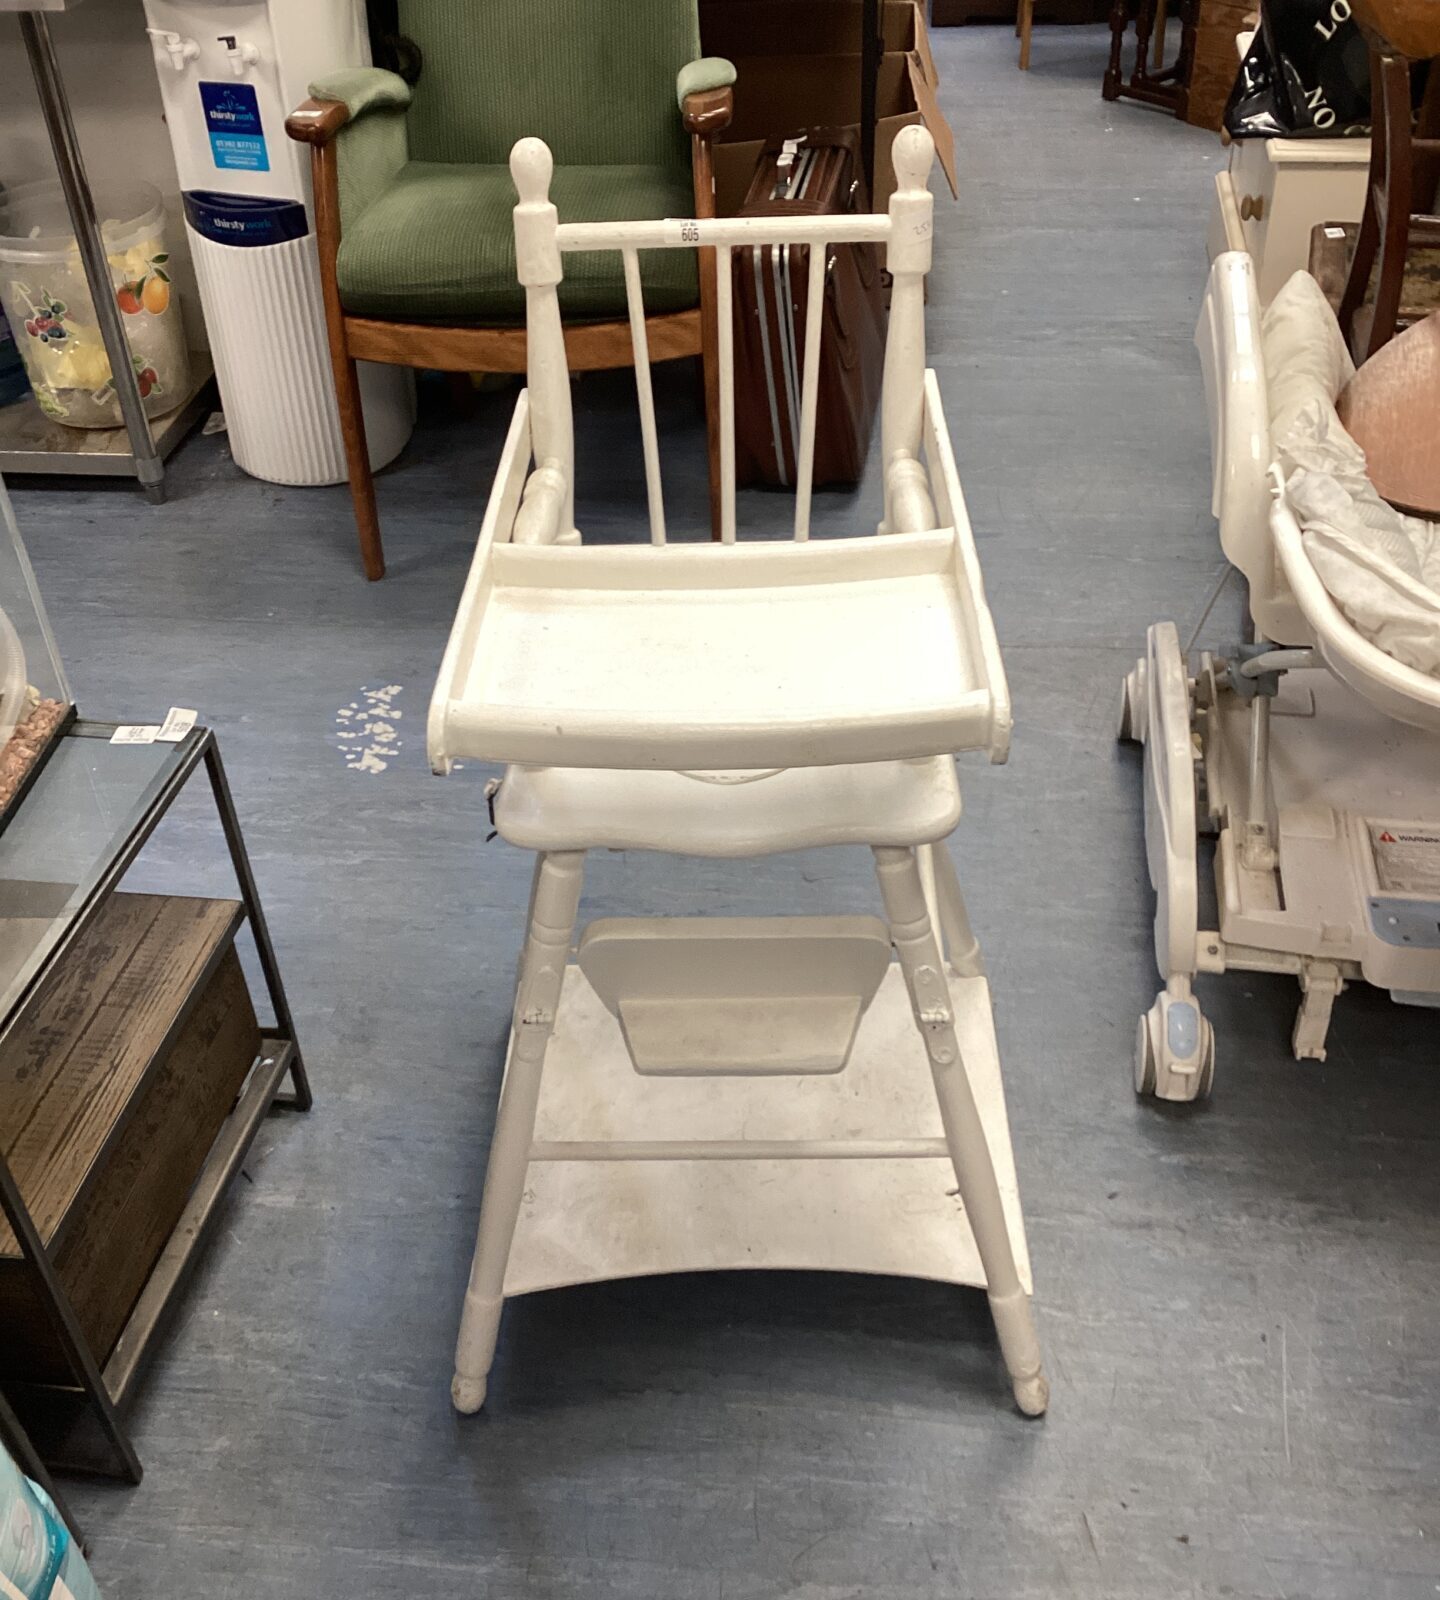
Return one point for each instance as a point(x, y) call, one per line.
point(1130, 724)
point(467, 1394)
point(1032, 1395)
point(1144, 1058)
point(1174, 1050)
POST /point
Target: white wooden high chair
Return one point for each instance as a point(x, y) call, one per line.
point(737, 1092)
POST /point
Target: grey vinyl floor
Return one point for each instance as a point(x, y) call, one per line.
point(1240, 1303)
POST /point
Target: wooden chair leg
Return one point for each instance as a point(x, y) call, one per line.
point(357, 461)
point(463, 394)
point(1144, 26)
point(325, 172)
point(1025, 23)
point(1189, 11)
point(554, 903)
point(1110, 90)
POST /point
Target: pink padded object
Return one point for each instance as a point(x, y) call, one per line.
point(1391, 408)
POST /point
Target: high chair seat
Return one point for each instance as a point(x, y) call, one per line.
point(900, 803)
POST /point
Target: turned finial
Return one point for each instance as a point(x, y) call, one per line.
point(531, 166)
point(912, 156)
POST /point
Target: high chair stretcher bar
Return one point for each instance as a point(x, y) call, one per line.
point(668, 233)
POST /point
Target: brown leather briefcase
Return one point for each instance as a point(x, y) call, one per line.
point(816, 173)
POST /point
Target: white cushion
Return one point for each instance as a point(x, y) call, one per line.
point(1382, 568)
point(1306, 361)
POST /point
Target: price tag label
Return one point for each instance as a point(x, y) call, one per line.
point(178, 722)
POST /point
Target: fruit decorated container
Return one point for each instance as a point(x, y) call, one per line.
point(47, 302)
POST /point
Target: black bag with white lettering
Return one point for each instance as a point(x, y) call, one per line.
point(1307, 75)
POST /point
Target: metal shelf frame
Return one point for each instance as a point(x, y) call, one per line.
point(148, 448)
point(106, 1389)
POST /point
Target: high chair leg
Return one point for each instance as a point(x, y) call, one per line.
point(919, 955)
point(554, 902)
point(962, 948)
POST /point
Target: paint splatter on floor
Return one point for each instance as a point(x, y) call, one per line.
point(366, 731)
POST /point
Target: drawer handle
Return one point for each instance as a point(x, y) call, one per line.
point(1252, 208)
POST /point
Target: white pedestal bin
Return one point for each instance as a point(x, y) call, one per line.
point(272, 362)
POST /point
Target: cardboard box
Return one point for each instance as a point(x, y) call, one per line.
point(779, 95)
point(798, 66)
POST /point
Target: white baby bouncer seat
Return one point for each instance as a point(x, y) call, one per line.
point(1309, 754)
point(701, 1093)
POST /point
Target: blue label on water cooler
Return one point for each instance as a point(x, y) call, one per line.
point(232, 119)
point(247, 220)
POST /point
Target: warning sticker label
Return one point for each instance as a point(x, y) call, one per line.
point(1407, 858)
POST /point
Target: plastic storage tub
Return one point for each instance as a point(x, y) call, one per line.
point(48, 305)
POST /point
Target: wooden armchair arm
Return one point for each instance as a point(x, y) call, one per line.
point(342, 97)
point(316, 122)
point(707, 112)
point(703, 90)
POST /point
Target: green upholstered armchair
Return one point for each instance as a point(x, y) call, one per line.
point(413, 197)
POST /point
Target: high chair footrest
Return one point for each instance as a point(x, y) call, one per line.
point(736, 996)
point(632, 1174)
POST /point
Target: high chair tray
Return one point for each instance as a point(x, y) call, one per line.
point(719, 656)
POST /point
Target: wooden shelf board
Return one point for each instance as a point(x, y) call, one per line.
point(73, 1067)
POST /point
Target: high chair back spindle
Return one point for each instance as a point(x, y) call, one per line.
point(542, 241)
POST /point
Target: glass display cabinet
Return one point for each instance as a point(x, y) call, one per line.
point(136, 1065)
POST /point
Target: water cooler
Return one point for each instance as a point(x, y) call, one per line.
point(231, 71)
